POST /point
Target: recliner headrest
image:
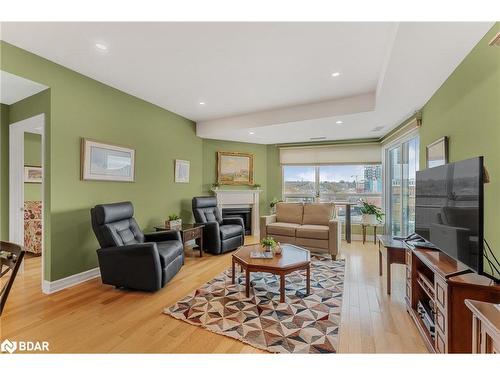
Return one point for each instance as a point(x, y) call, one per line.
point(202, 202)
point(108, 213)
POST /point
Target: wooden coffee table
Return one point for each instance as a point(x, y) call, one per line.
point(293, 258)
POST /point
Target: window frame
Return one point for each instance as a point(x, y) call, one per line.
point(317, 167)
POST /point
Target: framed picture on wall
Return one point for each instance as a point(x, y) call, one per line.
point(182, 171)
point(33, 174)
point(234, 168)
point(437, 152)
point(106, 162)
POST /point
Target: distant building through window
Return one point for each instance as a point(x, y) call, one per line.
point(331, 183)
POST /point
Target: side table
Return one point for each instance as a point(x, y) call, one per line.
point(189, 232)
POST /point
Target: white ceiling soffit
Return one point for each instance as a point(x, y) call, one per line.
point(271, 79)
point(421, 57)
point(14, 88)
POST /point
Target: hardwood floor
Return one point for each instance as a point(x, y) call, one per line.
point(92, 317)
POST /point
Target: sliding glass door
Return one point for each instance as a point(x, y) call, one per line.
point(402, 165)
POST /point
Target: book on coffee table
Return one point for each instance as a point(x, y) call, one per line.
point(261, 255)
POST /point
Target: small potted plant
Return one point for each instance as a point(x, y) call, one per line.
point(215, 186)
point(268, 243)
point(273, 204)
point(174, 222)
point(371, 214)
point(256, 186)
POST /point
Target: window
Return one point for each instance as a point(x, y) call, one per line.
point(330, 183)
point(402, 167)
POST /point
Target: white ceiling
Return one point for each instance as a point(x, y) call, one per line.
point(272, 79)
point(14, 88)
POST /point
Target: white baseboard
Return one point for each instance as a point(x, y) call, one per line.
point(49, 287)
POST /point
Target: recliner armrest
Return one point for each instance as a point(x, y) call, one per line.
point(134, 266)
point(233, 220)
point(165, 235)
point(211, 237)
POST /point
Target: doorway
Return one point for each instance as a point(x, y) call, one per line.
point(26, 188)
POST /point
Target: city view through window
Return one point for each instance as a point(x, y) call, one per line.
point(330, 183)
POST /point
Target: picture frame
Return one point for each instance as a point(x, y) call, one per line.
point(182, 170)
point(106, 162)
point(436, 153)
point(235, 168)
point(33, 174)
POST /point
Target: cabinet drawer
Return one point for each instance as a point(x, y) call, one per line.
point(440, 320)
point(441, 290)
point(440, 343)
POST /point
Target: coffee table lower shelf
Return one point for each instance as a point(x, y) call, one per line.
point(281, 272)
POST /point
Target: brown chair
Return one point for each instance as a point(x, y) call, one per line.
point(11, 256)
point(309, 225)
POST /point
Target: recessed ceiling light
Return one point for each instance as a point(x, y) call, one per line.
point(335, 74)
point(101, 46)
point(251, 133)
point(202, 103)
point(339, 122)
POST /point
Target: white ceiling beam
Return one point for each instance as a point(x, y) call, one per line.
point(303, 112)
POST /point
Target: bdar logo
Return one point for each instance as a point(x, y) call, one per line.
point(8, 346)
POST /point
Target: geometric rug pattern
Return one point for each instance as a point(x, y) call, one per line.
point(302, 324)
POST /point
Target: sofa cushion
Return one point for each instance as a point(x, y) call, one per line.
point(319, 232)
point(318, 213)
point(312, 243)
point(289, 212)
point(282, 229)
point(230, 231)
point(168, 251)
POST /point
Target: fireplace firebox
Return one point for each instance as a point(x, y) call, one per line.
point(244, 212)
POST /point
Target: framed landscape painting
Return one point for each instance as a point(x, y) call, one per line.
point(437, 153)
point(234, 168)
point(106, 162)
point(32, 174)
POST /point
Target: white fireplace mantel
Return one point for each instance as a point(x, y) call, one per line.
point(235, 198)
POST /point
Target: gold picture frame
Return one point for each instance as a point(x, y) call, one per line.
point(234, 168)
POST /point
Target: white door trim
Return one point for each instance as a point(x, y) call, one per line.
point(35, 124)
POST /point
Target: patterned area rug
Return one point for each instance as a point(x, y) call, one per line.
point(303, 324)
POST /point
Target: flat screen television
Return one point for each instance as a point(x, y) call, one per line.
point(449, 210)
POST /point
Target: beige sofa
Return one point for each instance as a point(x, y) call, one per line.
point(309, 225)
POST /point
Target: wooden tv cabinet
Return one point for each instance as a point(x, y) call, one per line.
point(443, 284)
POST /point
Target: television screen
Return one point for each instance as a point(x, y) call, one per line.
point(449, 210)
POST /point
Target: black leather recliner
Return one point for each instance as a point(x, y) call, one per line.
point(129, 258)
point(219, 235)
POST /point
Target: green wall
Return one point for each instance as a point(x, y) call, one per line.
point(32, 157)
point(82, 107)
point(467, 109)
point(4, 176)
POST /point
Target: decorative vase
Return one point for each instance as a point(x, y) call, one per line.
point(369, 219)
point(273, 210)
point(277, 249)
point(268, 248)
